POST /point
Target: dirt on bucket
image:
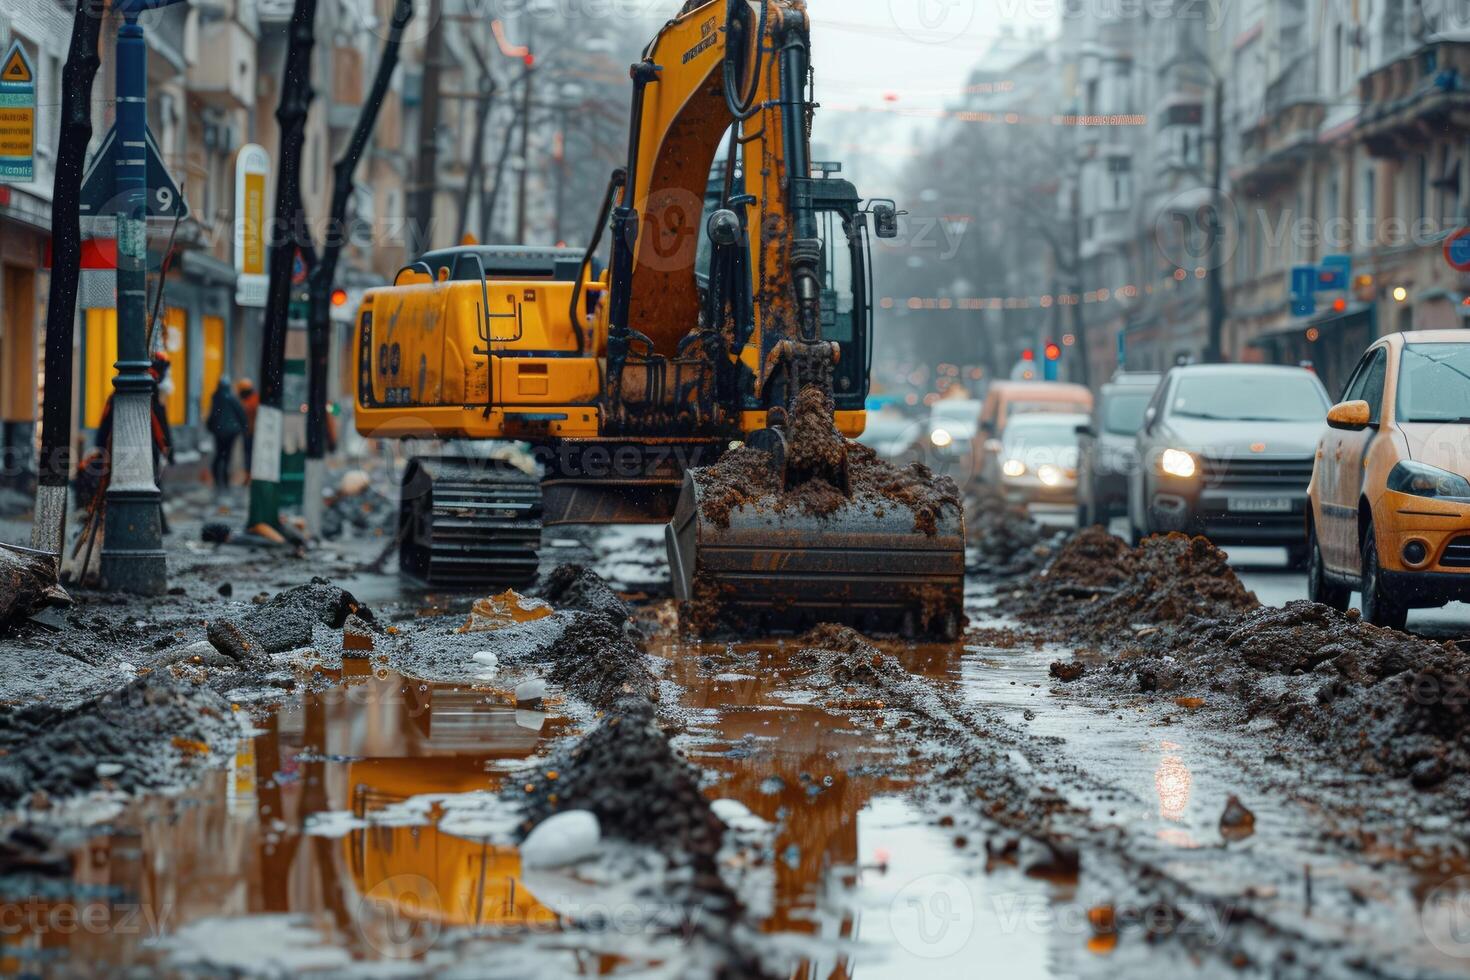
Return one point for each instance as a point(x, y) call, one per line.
point(743, 477)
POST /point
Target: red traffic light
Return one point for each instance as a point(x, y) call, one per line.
point(1028, 355)
point(339, 297)
point(1053, 352)
point(530, 60)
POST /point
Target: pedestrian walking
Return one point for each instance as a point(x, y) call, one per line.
point(250, 401)
point(227, 422)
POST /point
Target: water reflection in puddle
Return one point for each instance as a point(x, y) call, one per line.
point(244, 871)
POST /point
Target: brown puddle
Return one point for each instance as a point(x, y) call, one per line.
point(852, 876)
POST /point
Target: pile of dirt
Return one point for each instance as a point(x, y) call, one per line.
point(575, 587)
point(1100, 590)
point(131, 739)
point(1387, 702)
point(1005, 540)
point(285, 622)
point(597, 660)
point(846, 657)
point(743, 477)
point(27, 586)
point(641, 789)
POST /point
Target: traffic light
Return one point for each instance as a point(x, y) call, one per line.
point(1053, 356)
point(1028, 354)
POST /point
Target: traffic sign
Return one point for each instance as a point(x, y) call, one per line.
point(1303, 290)
point(17, 115)
point(1457, 250)
point(99, 186)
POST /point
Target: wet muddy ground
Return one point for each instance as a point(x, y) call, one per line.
point(883, 809)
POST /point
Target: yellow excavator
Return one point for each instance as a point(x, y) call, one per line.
point(740, 273)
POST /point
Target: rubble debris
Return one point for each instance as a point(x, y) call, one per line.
point(1067, 671)
point(357, 505)
point(1384, 702)
point(506, 609)
point(27, 585)
point(575, 587)
point(1005, 541)
point(134, 732)
point(1100, 590)
point(627, 774)
point(286, 621)
point(598, 661)
point(1236, 823)
point(846, 657)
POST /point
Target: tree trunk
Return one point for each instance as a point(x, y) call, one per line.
point(288, 234)
point(48, 532)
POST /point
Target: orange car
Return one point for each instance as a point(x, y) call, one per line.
point(1389, 511)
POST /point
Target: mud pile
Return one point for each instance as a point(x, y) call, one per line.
point(132, 739)
point(285, 622)
point(1100, 590)
point(1006, 541)
point(743, 477)
point(1383, 701)
point(597, 660)
point(846, 657)
point(575, 587)
point(627, 773)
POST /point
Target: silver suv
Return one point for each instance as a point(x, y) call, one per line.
point(1107, 450)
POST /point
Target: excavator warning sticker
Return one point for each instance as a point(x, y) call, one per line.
point(711, 35)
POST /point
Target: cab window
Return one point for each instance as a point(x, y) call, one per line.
point(839, 304)
point(1373, 381)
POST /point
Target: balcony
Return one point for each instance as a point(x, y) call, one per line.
point(1286, 134)
point(1427, 90)
point(224, 76)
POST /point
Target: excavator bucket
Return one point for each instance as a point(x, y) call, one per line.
point(864, 564)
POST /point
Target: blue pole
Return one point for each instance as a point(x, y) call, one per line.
point(132, 552)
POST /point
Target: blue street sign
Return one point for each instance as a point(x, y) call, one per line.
point(1335, 272)
point(1303, 290)
point(99, 186)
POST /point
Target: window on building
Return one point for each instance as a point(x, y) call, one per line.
point(1369, 210)
point(1119, 183)
point(1448, 184)
point(1422, 186)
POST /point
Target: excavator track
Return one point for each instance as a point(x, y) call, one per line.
point(783, 571)
point(469, 523)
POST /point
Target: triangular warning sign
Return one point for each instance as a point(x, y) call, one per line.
point(17, 68)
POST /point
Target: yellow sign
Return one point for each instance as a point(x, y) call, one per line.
point(17, 67)
point(17, 132)
point(253, 262)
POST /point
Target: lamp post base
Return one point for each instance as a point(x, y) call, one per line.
point(128, 563)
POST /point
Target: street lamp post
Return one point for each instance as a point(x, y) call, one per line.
point(132, 550)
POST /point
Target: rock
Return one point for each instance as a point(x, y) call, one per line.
point(285, 622)
point(529, 694)
point(27, 585)
point(562, 839)
point(1428, 772)
point(1067, 671)
point(487, 658)
point(1237, 822)
point(226, 590)
point(575, 587)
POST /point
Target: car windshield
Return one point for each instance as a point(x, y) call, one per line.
point(1434, 383)
point(1059, 435)
point(1122, 413)
point(1237, 396)
point(955, 411)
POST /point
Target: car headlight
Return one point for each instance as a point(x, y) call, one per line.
point(1177, 462)
point(1014, 467)
point(1049, 475)
point(1422, 480)
point(940, 438)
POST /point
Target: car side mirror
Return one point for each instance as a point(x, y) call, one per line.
point(1086, 431)
point(1150, 415)
point(1353, 416)
point(885, 219)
